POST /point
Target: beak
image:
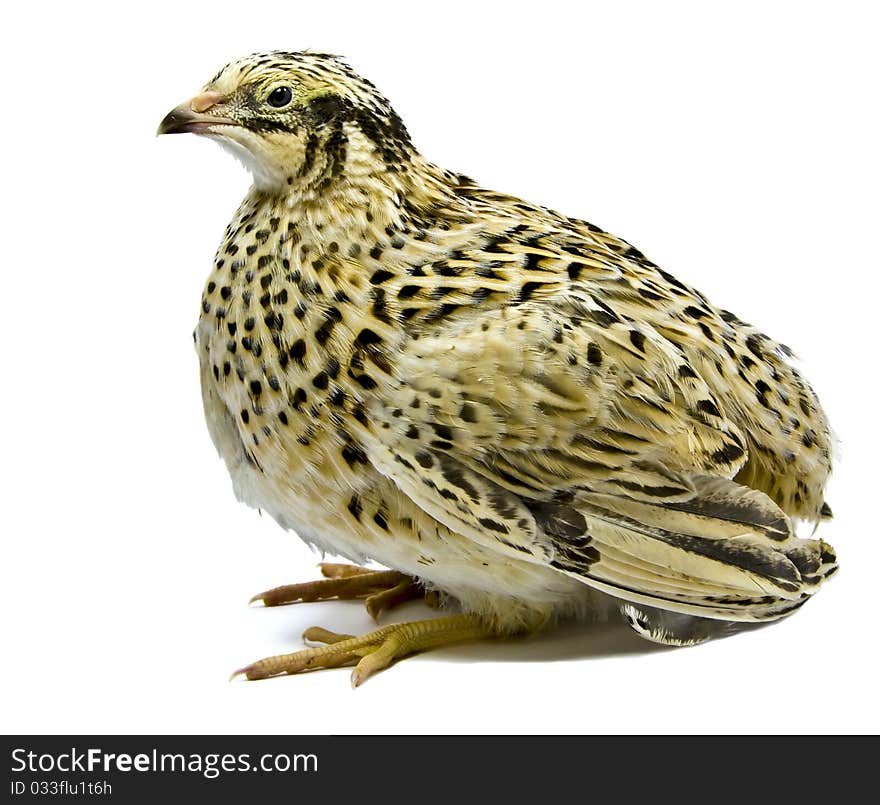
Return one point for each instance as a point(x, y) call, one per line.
point(191, 116)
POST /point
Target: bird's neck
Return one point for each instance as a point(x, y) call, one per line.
point(366, 194)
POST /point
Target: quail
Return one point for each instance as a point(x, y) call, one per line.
point(512, 410)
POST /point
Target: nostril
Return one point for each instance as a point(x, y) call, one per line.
point(205, 100)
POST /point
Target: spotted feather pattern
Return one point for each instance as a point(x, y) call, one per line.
point(509, 403)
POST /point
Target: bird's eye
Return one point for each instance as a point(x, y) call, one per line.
point(280, 96)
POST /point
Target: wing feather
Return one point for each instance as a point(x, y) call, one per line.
point(590, 450)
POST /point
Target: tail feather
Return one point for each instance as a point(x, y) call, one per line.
point(727, 553)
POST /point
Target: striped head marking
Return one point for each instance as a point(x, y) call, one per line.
point(297, 121)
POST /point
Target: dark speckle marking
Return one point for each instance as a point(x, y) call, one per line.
point(646, 293)
point(380, 308)
point(365, 381)
point(753, 343)
point(331, 319)
point(468, 413)
point(354, 454)
point(695, 312)
point(297, 351)
point(337, 397)
point(380, 276)
point(493, 525)
point(533, 262)
point(425, 459)
point(528, 289)
point(453, 474)
point(708, 407)
point(443, 431)
point(728, 454)
point(273, 320)
point(366, 337)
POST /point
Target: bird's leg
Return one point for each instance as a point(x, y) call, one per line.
point(371, 652)
point(381, 589)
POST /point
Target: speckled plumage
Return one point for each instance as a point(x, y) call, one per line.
point(514, 406)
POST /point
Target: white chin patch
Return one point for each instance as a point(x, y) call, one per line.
point(265, 177)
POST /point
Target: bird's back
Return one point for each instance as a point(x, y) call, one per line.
point(539, 256)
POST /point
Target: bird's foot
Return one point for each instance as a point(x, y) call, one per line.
point(381, 589)
point(370, 652)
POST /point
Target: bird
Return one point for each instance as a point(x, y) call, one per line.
point(518, 414)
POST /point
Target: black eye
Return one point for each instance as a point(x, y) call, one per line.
point(280, 96)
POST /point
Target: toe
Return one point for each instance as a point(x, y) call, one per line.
point(382, 601)
point(375, 661)
point(339, 570)
point(316, 634)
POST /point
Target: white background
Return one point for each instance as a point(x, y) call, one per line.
point(736, 147)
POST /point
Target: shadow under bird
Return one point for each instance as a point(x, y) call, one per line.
point(518, 413)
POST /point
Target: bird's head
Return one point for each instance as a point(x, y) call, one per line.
point(298, 121)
